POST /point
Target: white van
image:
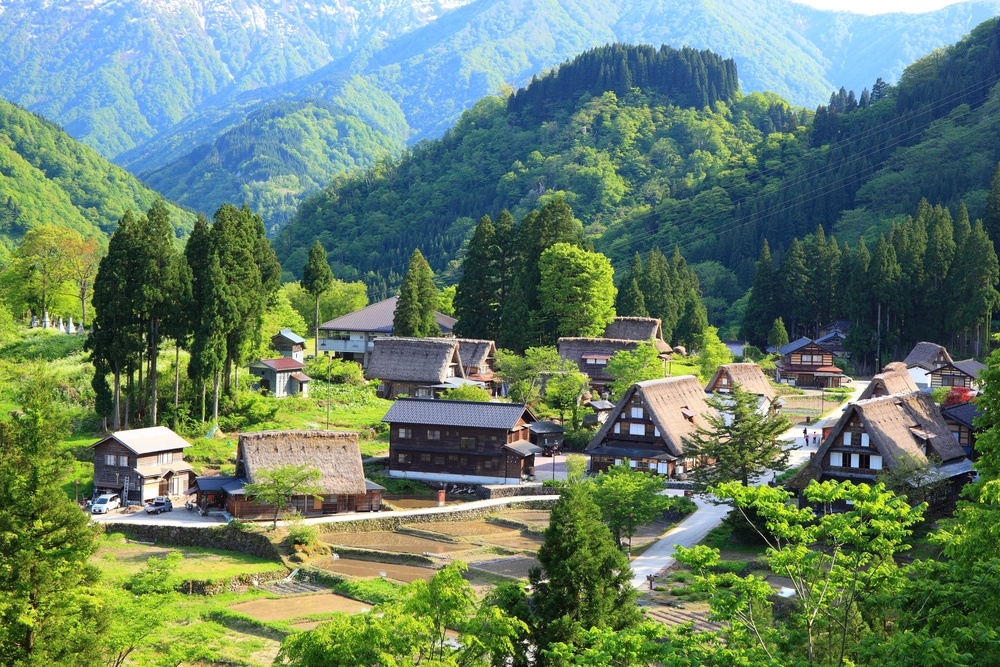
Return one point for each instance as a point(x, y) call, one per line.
point(106, 503)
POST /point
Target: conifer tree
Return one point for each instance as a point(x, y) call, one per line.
point(584, 581)
point(693, 317)
point(760, 313)
point(418, 299)
point(778, 336)
point(317, 277)
point(991, 216)
point(477, 297)
point(630, 301)
point(796, 309)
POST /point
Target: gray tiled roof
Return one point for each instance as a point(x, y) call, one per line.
point(970, 367)
point(963, 413)
point(456, 413)
point(793, 346)
point(377, 318)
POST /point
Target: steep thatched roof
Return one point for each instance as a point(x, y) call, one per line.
point(886, 383)
point(897, 426)
point(676, 406)
point(426, 360)
point(894, 367)
point(748, 376)
point(579, 350)
point(336, 454)
point(927, 356)
point(476, 353)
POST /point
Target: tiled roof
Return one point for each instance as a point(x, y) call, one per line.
point(963, 413)
point(377, 318)
point(793, 346)
point(970, 367)
point(469, 414)
point(546, 427)
point(148, 440)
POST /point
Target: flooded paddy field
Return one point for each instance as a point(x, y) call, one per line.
point(286, 608)
point(367, 569)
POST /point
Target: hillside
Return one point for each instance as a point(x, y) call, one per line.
point(640, 169)
point(49, 177)
point(148, 83)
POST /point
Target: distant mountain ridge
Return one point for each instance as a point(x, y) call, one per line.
point(157, 85)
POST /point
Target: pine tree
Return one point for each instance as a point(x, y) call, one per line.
point(477, 303)
point(796, 308)
point(760, 313)
point(991, 216)
point(317, 277)
point(584, 581)
point(415, 310)
point(630, 301)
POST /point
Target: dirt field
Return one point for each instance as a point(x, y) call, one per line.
point(537, 519)
point(293, 607)
point(692, 612)
point(363, 568)
point(510, 567)
point(462, 528)
point(481, 532)
point(391, 541)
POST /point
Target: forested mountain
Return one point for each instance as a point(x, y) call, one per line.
point(148, 82)
point(641, 170)
point(50, 178)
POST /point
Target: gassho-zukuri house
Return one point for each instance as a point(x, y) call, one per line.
point(334, 453)
point(460, 441)
point(649, 424)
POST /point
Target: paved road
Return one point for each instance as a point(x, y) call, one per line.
point(693, 529)
point(544, 464)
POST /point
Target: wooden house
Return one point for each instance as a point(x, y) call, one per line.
point(289, 344)
point(881, 433)
point(460, 441)
point(894, 380)
point(924, 358)
point(352, 336)
point(747, 376)
point(416, 367)
point(649, 425)
point(281, 377)
point(591, 355)
point(964, 373)
point(141, 463)
point(960, 419)
point(804, 363)
point(479, 361)
point(335, 454)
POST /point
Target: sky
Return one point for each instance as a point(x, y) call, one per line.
point(879, 6)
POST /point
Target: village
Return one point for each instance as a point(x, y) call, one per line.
point(482, 474)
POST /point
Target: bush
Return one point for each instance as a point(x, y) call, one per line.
point(301, 534)
point(577, 440)
point(338, 371)
point(467, 392)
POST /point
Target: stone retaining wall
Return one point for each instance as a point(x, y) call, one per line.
point(491, 491)
point(390, 557)
point(231, 537)
point(391, 522)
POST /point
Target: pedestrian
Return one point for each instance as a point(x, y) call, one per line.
point(805, 435)
point(816, 438)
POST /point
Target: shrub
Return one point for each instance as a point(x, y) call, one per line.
point(301, 534)
point(338, 371)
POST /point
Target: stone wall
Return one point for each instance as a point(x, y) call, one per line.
point(491, 491)
point(391, 522)
point(231, 537)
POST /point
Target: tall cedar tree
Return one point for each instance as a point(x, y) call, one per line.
point(761, 310)
point(991, 216)
point(198, 254)
point(742, 441)
point(778, 336)
point(317, 277)
point(693, 317)
point(584, 581)
point(477, 297)
point(630, 301)
point(157, 255)
point(418, 298)
point(48, 607)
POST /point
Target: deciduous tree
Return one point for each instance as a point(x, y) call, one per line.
point(627, 367)
point(576, 292)
point(276, 486)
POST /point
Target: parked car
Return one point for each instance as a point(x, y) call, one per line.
point(105, 503)
point(159, 505)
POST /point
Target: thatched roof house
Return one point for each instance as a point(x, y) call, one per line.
point(747, 376)
point(649, 425)
point(880, 433)
point(591, 355)
point(927, 356)
point(638, 328)
point(478, 358)
point(416, 367)
point(889, 382)
point(335, 454)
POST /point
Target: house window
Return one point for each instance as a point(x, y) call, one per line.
point(110, 459)
point(439, 460)
point(836, 459)
point(488, 464)
point(406, 433)
point(424, 392)
point(876, 462)
point(723, 380)
point(865, 441)
point(433, 434)
point(164, 458)
point(425, 457)
point(864, 461)
point(491, 438)
point(463, 461)
point(452, 457)
point(618, 427)
point(847, 439)
point(467, 443)
point(656, 432)
point(123, 461)
point(636, 413)
point(637, 429)
point(402, 458)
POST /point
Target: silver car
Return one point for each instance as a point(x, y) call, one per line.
point(106, 503)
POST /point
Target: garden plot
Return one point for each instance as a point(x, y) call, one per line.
point(517, 567)
point(533, 519)
point(366, 569)
point(691, 612)
point(487, 534)
point(283, 609)
point(391, 541)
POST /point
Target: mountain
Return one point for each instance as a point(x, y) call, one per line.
point(646, 163)
point(50, 177)
point(163, 87)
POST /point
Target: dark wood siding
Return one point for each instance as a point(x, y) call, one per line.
point(456, 450)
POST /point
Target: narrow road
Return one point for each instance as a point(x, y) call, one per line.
point(693, 529)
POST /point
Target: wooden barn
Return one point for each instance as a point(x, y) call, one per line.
point(335, 454)
point(649, 424)
point(460, 441)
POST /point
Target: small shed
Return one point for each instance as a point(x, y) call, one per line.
point(289, 344)
point(547, 435)
point(282, 377)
